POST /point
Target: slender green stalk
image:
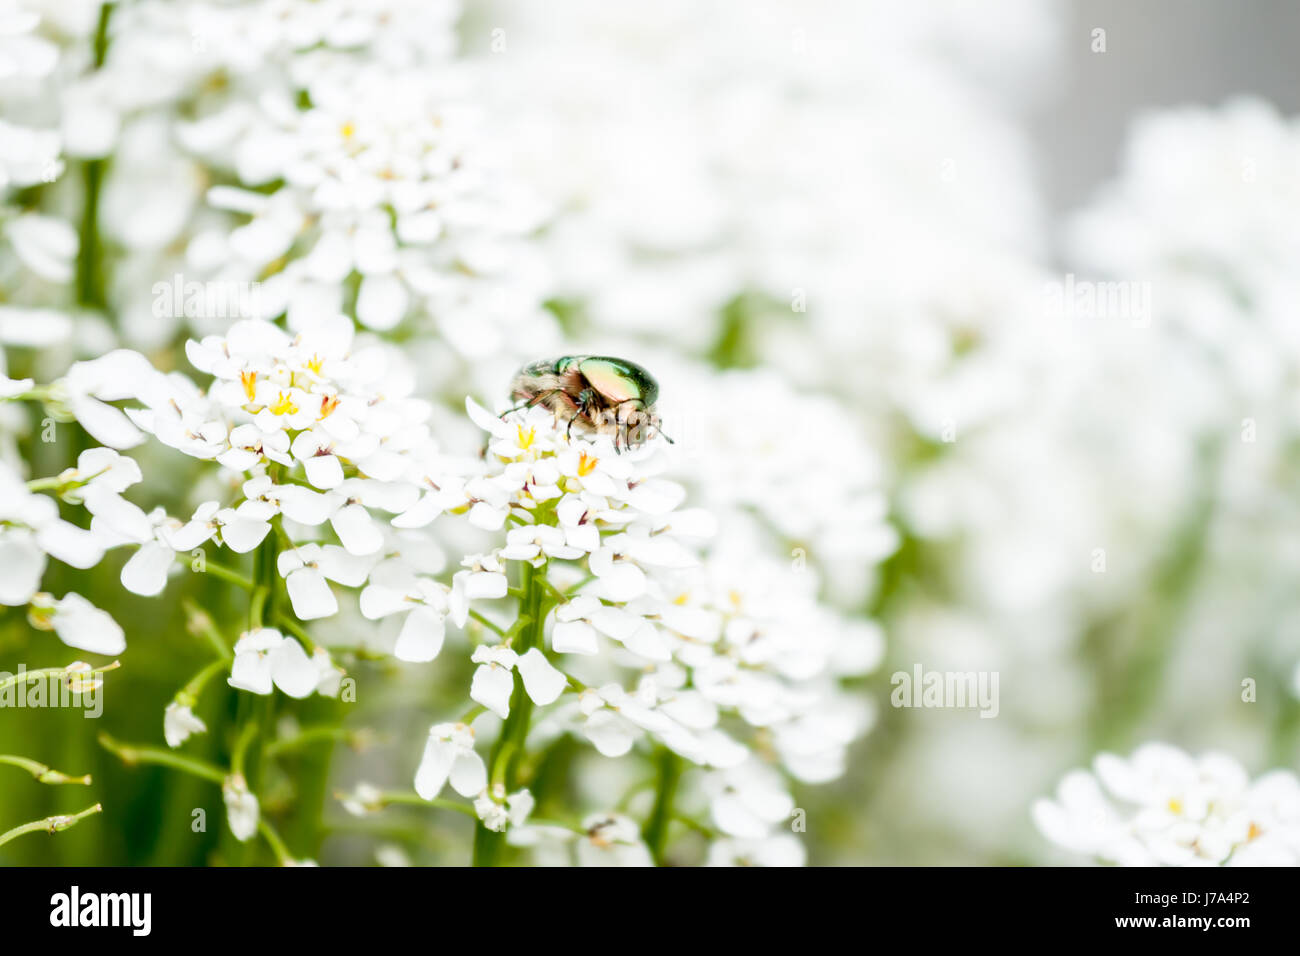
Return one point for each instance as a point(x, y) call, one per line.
point(200, 624)
point(286, 622)
point(64, 672)
point(661, 814)
point(411, 798)
point(239, 756)
point(486, 623)
point(508, 751)
point(278, 846)
point(132, 754)
point(50, 824)
point(229, 575)
point(318, 733)
point(194, 688)
point(41, 772)
point(90, 279)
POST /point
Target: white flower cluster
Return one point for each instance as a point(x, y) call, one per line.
point(717, 662)
point(1162, 807)
point(319, 434)
point(268, 147)
point(32, 529)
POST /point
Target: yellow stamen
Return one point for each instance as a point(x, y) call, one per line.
point(526, 438)
point(586, 464)
point(1175, 805)
point(327, 405)
point(284, 405)
point(681, 599)
point(315, 364)
point(1254, 832)
point(249, 381)
point(347, 130)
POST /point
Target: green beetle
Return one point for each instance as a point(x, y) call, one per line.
point(605, 394)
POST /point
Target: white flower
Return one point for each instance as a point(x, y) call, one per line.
point(364, 799)
point(449, 755)
point(748, 801)
point(494, 678)
point(493, 681)
point(27, 156)
point(394, 588)
point(612, 840)
point(179, 722)
point(79, 624)
point(242, 811)
point(119, 375)
point(483, 579)
point(1163, 807)
point(45, 245)
point(781, 849)
point(22, 563)
point(306, 571)
point(146, 571)
point(498, 811)
point(30, 528)
point(264, 658)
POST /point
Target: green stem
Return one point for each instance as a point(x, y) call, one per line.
point(50, 824)
point(508, 751)
point(220, 571)
point(317, 734)
point(132, 754)
point(65, 672)
point(283, 620)
point(661, 814)
point(486, 623)
point(194, 688)
point(200, 624)
point(256, 608)
point(411, 798)
point(42, 773)
point(278, 846)
point(90, 280)
point(238, 756)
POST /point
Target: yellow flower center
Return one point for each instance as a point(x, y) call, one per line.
point(283, 405)
point(1254, 832)
point(586, 464)
point(526, 438)
point(328, 404)
point(249, 381)
point(347, 130)
point(1175, 805)
point(681, 599)
point(315, 364)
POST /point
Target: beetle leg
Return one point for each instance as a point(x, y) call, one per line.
point(535, 400)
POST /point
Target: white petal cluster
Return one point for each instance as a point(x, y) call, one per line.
point(324, 434)
point(243, 812)
point(31, 530)
point(717, 661)
point(180, 723)
point(1163, 807)
point(265, 658)
point(604, 839)
point(793, 458)
point(449, 755)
